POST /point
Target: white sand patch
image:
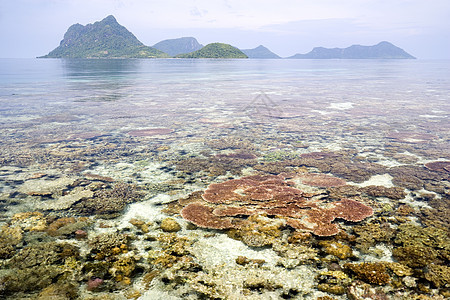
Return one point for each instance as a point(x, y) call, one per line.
point(341, 105)
point(381, 253)
point(222, 250)
point(148, 171)
point(146, 211)
point(321, 112)
point(431, 116)
point(414, 203)
point(380, 180)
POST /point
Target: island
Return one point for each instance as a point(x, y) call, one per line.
point(108, 39)
point(382, 50)
point(215, 50)
point(103, 39)
point(177, 46)
point(260, 52)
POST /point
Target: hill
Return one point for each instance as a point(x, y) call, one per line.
point(215, 50)
point(259, 52)
point(178, 46)
point(103, 39)
point(382, 50)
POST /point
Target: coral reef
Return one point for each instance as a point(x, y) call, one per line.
point(438, 275)
point(374, 273)
point(342, 166)
point(321, 180)
point(36, 267)
point(10, 238)
point(225, 202)
point(372, 233)
point(170, 225)
point(150, 132)
point(415, 177)
point(336, 249)
point(427, 250)
point(214, 165)
point(333, 282)
point(108, 245)
point(109, 202)
point(441, 166)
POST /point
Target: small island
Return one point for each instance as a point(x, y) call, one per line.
point(215, 50)
point(260, 52)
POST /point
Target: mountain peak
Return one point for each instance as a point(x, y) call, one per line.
point(103, 39)
point(178, 46)
point(109, 19)
point(260, 52)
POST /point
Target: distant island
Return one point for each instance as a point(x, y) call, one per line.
point(215, 50)
point(260, 52)
point(182, 45)
point(108, 39)
point(382, 50)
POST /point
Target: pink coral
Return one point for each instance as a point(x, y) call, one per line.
point(322, 180)
point(226, 204)
point(94, 283)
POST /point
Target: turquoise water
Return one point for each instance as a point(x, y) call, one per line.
point(118, 140)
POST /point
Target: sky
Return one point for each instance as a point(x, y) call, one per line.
point(30, 28)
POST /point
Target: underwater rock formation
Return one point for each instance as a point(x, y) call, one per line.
point(225, 203)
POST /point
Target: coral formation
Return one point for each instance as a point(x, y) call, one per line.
point(374, 273)
point(170, 225)
point(340, 165)
point(438, 275)
point(337, 249)
point(414, 177)
point(441, 166)
point(372, 233)
point(333, 282)
point(225, 203)
point(322, 180)
point(107, 245)
point(10, 238)
point(36, 267)
point(150, 132)
point(109, 202)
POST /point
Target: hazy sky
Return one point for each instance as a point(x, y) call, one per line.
point(30, 28)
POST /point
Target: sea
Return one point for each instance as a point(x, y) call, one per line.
point(98, 156)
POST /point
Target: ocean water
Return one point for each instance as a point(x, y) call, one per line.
point(76, 133)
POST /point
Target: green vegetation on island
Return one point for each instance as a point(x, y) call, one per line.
point(103, 39)
point(215, 50)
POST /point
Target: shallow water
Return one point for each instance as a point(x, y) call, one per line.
point(71, 130)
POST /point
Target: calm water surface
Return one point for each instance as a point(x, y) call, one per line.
point(73, 131)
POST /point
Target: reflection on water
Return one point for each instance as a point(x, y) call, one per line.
point(103, 162)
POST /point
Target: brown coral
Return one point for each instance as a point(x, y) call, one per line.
point(441, 166)
point(374, 273)
point(226, 203)
point(322, 180)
